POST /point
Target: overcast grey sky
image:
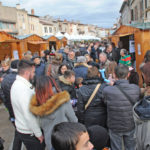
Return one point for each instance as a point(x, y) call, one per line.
point(103, 13)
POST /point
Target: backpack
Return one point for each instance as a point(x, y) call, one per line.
point(143, 108)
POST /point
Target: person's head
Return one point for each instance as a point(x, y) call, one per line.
point(5, 65)
point(71, 55)
point(134, 77)
point(42, 54)
point(62, 69)
point(44, 89)
point(110, 69)
point(147, 57)
point(102, 57)
point(93, 72)
point(81, 59)
point(57, 59)
point(123, 52)
point(36, 59)
point(70, 136)
point(120, 44)
point(66, 49)
point(109, 48)
point(121, 72)
point(113, 44)
point(88, 58)
point(14, 65)
point(89, 48)
point(27, 55)
point(146, 73)
point(98, 136)
point(78, 82)
point(26, 69)
point(69, 75)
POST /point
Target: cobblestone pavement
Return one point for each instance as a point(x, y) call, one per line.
point(6, 128)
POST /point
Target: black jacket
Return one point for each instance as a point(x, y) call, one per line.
point(119, 108)
point(6, 87)
point(96, 112)
point(66, 86)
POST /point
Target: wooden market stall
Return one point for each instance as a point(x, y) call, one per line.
point(12, 48)
point(34, 42)
point(52, 40)
point(141, 36)
point(62, 42)
point(5, 36)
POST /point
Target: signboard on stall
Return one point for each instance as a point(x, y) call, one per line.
point(15, 54)
point(139, 49)
point(132, 46)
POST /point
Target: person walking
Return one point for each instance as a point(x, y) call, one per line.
point(27, 127)
point(120, 99)
point(51, 107)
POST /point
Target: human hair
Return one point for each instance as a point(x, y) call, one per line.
point(120, 44)
point(147, 57)
point(103, 54)
point(98, 136)
point(111, 68)
point(6, 63)
point(65, 136)
point(27, 55)
point(68, 74)
point(121, 71)
point(134, 77)
point(124, 51)
point(44, 89)
point(24, 65)
point(58, 58)
point(146, 71)
point(78, 81)
point(59, 69)
point(93, 72)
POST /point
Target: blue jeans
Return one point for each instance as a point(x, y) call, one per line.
point(127, 138)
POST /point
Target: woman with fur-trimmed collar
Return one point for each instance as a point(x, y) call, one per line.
point(52, 108)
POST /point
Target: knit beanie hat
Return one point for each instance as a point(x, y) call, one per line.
point(98, 136)
point(14, 65)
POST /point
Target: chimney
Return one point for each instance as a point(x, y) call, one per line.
point(32, 11)
point(18, 6)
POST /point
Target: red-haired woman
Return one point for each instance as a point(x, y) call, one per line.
point(51, 107)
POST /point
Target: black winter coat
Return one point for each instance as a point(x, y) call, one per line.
point(6, 87)
point(119, 108)
point(96, 111)
point(66, 86)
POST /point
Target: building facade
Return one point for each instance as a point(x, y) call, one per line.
point(135, 11)
point(8, 19)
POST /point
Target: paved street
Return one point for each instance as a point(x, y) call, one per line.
point(6, 128)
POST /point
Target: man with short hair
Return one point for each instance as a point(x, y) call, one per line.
point(71, 59)
point(104, 62)
point(66, 82)
point(71, 136)
point(27, 126)
point(120, 99)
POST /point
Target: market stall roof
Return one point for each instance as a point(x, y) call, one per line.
point(59, 35)
point(125, 30)
point(22, 37)
point(143, 26)
point(47, 37)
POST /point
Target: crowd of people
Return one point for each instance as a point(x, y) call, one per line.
point(82, 97)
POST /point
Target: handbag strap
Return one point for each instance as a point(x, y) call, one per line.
point(125, 94)
point(92, 96)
